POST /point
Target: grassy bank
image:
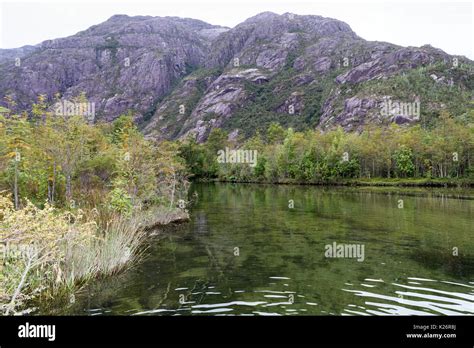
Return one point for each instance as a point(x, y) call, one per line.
point(49, 253)
point(76, 201)
point(380, 182)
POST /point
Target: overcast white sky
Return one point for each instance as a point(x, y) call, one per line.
point(446, 25)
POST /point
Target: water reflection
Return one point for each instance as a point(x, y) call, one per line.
point(281, 269)
point(402, 299)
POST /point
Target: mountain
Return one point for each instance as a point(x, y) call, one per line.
point(184, 76)
point(159, 52)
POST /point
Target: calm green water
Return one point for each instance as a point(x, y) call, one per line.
point(245, 252)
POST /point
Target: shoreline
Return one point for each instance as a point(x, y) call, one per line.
point(440, 183)
point(144, 230)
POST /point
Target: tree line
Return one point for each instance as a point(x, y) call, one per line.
point(444, 151)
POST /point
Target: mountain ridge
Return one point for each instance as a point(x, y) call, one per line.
point(185, 76)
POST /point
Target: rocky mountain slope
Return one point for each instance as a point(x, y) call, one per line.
point(125, 63)
point(182, 77)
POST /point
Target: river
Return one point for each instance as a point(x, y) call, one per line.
point(263, 250)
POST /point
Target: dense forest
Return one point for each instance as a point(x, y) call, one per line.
point(444, 151)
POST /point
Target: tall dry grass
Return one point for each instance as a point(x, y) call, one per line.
point(56, 250)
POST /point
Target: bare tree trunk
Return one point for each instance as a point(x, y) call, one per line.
point(68, 187)
point(172, 191)
point(15, 188)
point(20, 285)
point(53, 188)
point(49, 192)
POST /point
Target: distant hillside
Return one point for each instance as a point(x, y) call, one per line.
point(184, 76)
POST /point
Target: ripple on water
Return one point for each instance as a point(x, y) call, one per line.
point(425, 299)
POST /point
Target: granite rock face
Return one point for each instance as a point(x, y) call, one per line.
point(125, 63)
point(184, 77)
